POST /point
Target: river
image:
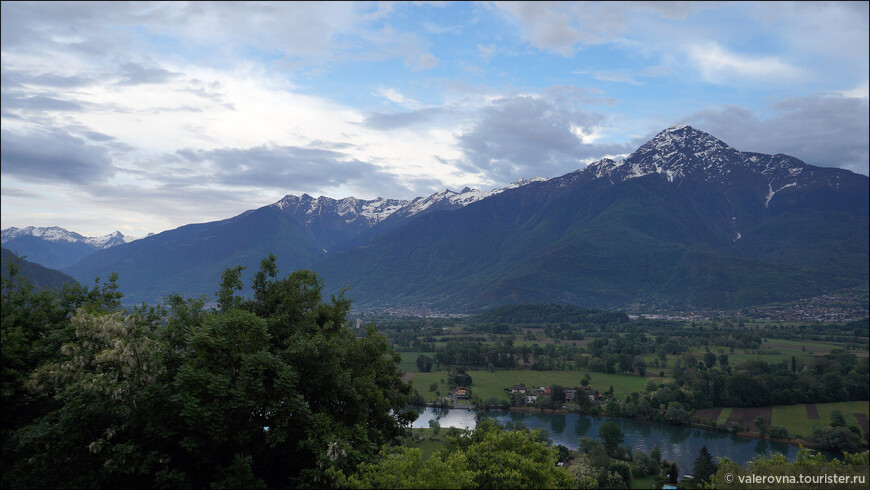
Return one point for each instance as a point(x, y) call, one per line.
point(680, 444)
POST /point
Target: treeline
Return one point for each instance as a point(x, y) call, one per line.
point(544, 314)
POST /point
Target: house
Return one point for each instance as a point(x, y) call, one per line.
point(531, 399)
point(570, 394)
point(518, 389)
point(460, 393)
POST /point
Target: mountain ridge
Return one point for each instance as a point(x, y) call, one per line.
point(684, 220)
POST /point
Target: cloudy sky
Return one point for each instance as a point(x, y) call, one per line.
point(142, 117)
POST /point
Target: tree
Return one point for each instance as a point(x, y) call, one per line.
point(583, 472)
point(778, 432)
point(407, 469)
point(487, 457)
point(35, 326)
point(271, 391)
point(622, 469)
point(709, 360)
point(673, 472)
point(656, 454)
point(837, 419)
point(704, 465)
point(557, 394)
point(760, 425)
point(425, 363)
point(611, 436)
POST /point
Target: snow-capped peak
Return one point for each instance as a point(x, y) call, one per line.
point(681, 151)
point(376, 210)
point(58, 234)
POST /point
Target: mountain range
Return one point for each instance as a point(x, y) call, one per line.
point(55, 247)
point(685, 221)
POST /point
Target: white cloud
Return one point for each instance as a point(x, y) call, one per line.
point(862, 91)
point(622, 76)
point(395, 97)
point(718, 65)
point(486, 52)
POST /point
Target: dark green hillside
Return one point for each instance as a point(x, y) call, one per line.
point(598, 244)
point(39, 276)
point(51, 254)
point(189, 260)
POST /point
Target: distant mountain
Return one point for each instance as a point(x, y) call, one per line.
point(685, 221)
point(39, 276)
point(300, 231)
point(55, 247)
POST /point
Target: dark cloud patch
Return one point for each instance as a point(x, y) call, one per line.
point(53, 156)
point(524, 136)
point(97, 136)
point(283, 167)
point(136, 74)
point(38, 103)
point(828, 131)
point(398, 120)
point(18, 192)
point(14, 79)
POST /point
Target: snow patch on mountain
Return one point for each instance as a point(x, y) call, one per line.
point(58, 234)
point(681, 152)
point(377, 210)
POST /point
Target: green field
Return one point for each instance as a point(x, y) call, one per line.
point(426, 440)
point(486, 384)
point(643, 483)
point(801, 350)
point(409, 360)
point(794, 417)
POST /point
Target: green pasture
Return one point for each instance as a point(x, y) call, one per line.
point(723, 416)
point(409, 360)
point(486, 384)
point(426, 440)
point(794, 417)
point(802, 351)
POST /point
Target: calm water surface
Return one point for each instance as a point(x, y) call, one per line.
point(680, 444)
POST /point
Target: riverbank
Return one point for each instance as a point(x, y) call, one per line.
point(794, 441)
point(676, 443)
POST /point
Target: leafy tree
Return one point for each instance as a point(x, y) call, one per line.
point(704, 465)
point(271, 391)
point(835, 439)
point(760, 425)
point(407, 469)
point(837, 419)
point(673, 472)
point(425, 363)
point(656, 454)
point(435, 426)
point(487, 457)
point(622, 469)
point(778, 432)
point(584, 472)
point(35, 325)
point(709, 360)
point(611, 436)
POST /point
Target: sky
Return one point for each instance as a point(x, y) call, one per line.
point(145, 116)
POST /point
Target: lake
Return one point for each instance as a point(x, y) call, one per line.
point(680, 444)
